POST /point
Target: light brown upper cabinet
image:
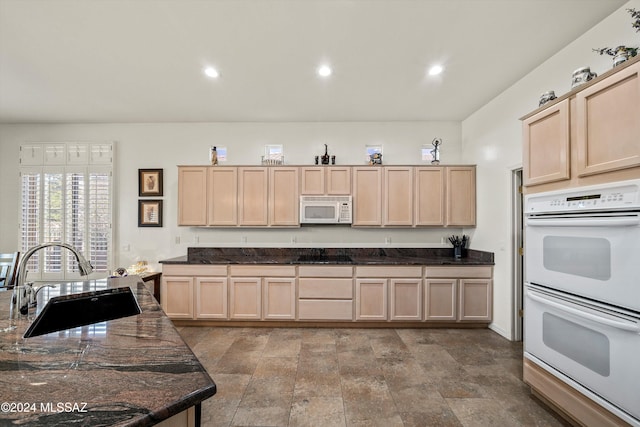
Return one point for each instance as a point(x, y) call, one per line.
point(398, 196)
point(325, 180)
point(253, 196)
point(588, 136)
point(429, 196)
point(461, 195)
point(192, 195)
point(546, 140)
point(283, 197)
point(222, 196)
point(367, 196)
point(608, 123)
point(383, 196)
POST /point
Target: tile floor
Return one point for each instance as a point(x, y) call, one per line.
point(364, 377)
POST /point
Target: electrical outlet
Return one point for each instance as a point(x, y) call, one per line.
point(243, 239)
point(196, 239)
point(387, 240)
point(294, 239)
point(177, 240)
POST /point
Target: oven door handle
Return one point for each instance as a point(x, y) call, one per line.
point(623, 221)
point(602, 320)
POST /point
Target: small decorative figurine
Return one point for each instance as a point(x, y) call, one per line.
point(214, 155)
point(325, 156)
point(581, 76)
point(437, 142)
point(375, 159)
point(547, 97)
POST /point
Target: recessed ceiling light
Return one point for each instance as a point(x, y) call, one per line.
point(435, 70)
point(211, 72)
point(324, 71)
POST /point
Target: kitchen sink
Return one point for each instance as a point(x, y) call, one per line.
point(71, 311)
point(324, 259)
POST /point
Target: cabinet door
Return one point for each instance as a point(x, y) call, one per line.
point(253, 196)
point(279, 298)
point(192, 195)
point(177, 297)
point(440, 299)
point(475, 299)
point(367, 196)
point(284, 201)
point(211, 297)
point(398, 196)
point(608, 123)
point(245, 298)
point(312, 181)
point(429, 196)
point(461, 195)
point(338, 180)
point(406, 299)
point(545, 150)
point(371, 299)
point(222, 198)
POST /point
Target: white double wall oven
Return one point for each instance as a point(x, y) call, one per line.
point(582, 291)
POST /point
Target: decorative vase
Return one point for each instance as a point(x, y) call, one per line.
point(581, 76)
point(547, 97)
point(621, 56)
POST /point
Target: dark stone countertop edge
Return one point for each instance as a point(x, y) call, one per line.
point(359, 257)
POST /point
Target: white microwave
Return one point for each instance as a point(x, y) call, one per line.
point(325, 210)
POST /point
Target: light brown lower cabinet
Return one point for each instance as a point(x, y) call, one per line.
point(177, 296)
point(375, 283)
point(440, 299)
point(405, 299)
point(325, 293)
point(458, 293)
point(279, 298)
point(328, 293)
point(211, 298)
point(195, 291)
point(245, 298)
point(371, 299)
point(254, 287)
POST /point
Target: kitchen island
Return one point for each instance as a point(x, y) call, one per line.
point(131, 371)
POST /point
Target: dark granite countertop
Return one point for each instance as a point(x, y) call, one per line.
point(356, 256)
point(132, 371)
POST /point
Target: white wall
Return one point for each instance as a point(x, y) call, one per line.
point(143, 145)
point(491, 138)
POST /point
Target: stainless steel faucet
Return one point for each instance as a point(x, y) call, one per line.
point(23, 293)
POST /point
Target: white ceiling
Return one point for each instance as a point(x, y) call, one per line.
point(141, 60)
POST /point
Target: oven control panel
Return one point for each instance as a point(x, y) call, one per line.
point(618, 196)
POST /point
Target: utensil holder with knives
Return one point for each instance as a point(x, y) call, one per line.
point(459, 245)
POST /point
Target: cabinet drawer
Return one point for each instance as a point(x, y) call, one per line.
point(325, 271)
point(386, 271)
point(325, 288)
point(262, 270)
point(194, 270)
point(480, 272)
point(312, 309)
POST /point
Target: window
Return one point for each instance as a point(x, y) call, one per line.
point(66, 192)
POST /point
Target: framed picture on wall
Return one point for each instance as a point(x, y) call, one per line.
point(149, 182)
point(149, 213)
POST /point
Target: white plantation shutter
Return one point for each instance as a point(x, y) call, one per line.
point(30, 232)
point(75, 215)
point(70, 203)
point(99, 226)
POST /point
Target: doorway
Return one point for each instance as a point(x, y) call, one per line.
point(517, 229)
